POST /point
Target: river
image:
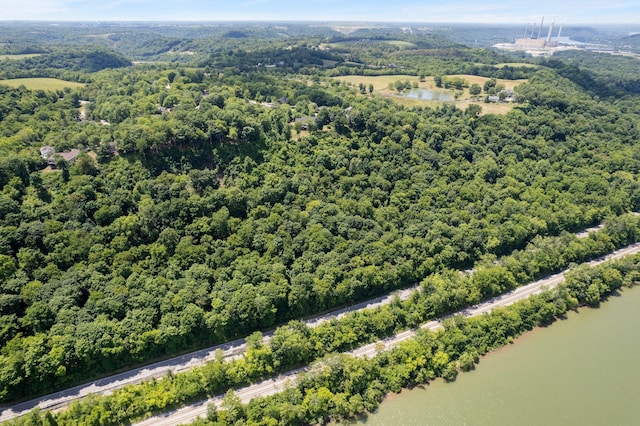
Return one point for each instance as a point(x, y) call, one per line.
point(580, 371)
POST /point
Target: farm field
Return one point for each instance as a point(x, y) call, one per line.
point(41, 83)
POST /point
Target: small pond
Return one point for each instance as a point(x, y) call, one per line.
point(428, 95)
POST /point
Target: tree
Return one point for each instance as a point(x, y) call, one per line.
point(489, 84)
point(7, 267)
point(475, 89)
point(473, 110)
point(467, 360)
point(38, 317)
point(232, 408)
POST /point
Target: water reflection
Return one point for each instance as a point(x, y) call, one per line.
point(428, 95)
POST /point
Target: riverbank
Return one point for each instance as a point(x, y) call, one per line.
point(582, 370)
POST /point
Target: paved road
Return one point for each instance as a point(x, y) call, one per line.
point(178, 364)
point(269, 387)
point(228, 350)
point(191, 412)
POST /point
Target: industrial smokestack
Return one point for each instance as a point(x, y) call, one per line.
point(559, 32)
point(526, 30)
point(540, 29)
point(551, 30)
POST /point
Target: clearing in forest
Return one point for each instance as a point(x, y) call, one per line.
point(41, 83)
point(381, 86)
point(21, 56)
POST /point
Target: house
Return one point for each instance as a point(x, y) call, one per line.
point(305, 121)
point(47, 152)
point(70, 156)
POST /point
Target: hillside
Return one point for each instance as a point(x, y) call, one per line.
point(195, 211)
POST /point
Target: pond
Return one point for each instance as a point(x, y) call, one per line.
point(428, 95)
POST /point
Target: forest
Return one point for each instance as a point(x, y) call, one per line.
point(196, 212)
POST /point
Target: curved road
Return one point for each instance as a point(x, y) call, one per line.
point(269, 387)
point(181, 363)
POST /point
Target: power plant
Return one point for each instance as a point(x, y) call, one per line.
point(533, 40)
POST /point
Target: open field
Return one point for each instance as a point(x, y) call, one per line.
point(396, 43)
point(471, 79)
point(381, 87)
point(487, 108)
point(327, 63)
point(41, 83)
point(380, 82)
point(516, 65)
point(349, 28)
point(22, 56)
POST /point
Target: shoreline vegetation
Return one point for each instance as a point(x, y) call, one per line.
point(535, 333)
point(233, 180)
point(326, 394)
point(296, 344)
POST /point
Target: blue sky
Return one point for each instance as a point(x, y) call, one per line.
point(487, 11)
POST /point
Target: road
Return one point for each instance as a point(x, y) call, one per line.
point(269, 387)
point(185, 362)
point(178, 364)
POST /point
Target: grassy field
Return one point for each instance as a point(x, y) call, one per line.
point(14, 57)
point(487, 108)
point(379, 82)
point(40, 83)
point(397, 43)
point(381, 87)
point(517, 65)
point(508, 84)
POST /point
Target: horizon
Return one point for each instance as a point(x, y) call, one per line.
point(493, 12)
point(303, 21)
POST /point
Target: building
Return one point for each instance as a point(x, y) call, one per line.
point(47, 152)
point(70, 156)
point(533, 42)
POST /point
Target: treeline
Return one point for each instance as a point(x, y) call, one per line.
point(599, 74)
point(458, 347)
point(64, 62)
point(212, 223)
point(340, 387)
point(377, 60)
point(30, 119)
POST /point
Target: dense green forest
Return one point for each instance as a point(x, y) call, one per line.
point(606, 76)
point(69, 63)
point(195, 212)
point(350, 393)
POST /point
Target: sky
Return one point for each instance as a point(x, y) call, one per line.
point(436, 11)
